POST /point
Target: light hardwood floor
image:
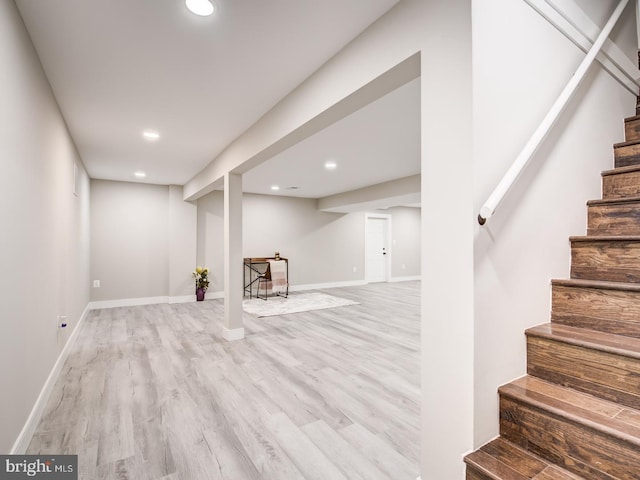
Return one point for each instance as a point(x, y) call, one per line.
point(154, 392)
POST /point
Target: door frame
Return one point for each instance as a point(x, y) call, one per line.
point(387, 217)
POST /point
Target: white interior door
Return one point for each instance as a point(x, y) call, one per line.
point(376, 249)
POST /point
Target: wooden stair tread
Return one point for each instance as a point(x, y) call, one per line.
point(605, 238)
point(632, 119)
point(626, 144)
point(614, 201)
point(620, 170)
point(502, 460)
point(602, 341)
point(612, 419)
point(599, 284)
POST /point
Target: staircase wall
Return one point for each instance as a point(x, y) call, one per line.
point(520, 65)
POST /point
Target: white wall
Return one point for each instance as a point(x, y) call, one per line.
point(45, 228)
point(526, 243)
point(183, 220)
point(129, 240)
point(322, 248)
point(406, 242)
point(143, 240)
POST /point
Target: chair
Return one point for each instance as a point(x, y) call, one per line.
point(264, 279)
point(275, 276)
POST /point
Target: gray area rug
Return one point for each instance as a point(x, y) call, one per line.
point(296, 303)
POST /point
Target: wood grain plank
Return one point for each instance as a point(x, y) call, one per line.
point(606, 258)
point(347, 458)
point(566, 444)
point(154, 392)
point(473, 474)
point(562, 426)
point(614, 219)
point(484, 465)
point(387, 460)
point(597, 307)
point(605, 375)
point(626, 154)
point(621, 183)
point(632, 129)
point(309, 459)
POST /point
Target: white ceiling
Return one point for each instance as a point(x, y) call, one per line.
point(375, 144)
point(118, 67)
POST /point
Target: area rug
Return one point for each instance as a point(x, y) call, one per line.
point(296, 303)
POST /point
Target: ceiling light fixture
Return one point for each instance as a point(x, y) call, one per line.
point(204, 8)
point(140, 174)
point(275, 187)
point(151, 135)
point(330, 165)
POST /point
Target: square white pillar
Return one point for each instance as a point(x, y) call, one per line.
point(233, 288)
point(448, 320)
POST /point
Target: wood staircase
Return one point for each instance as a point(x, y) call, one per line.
point(576, 415)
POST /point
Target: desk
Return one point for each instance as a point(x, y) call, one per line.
point(254, 268)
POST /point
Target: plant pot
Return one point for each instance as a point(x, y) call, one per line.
point(200, 294)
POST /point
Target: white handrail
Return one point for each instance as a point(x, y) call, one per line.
point(549, 120)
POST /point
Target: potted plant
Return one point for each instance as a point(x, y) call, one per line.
point(201, 276)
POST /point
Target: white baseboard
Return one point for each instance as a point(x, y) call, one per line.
point(22, 442)
point(231, 334)
point(182, 299)
point(128, 302)
point(132, 302)
point(321, 286)
point(409, 278)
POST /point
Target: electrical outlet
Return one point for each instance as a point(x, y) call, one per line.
point(355, 269)
point(96, 284)
point(61, 321)
point(404, 266)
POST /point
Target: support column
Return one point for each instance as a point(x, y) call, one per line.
point(233, 289)
point(448, 321)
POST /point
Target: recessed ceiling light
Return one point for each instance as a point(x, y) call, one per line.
point(151, 135)
point(275, 187)
point(140, 174)
point(203, 8)
point(330, 165)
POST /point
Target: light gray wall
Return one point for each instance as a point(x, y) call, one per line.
point(129, 240)
point(182, 243)
point(322, 247)
point(405, 238)
point(45, 228)
point(143, 241)
point(210, 236)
